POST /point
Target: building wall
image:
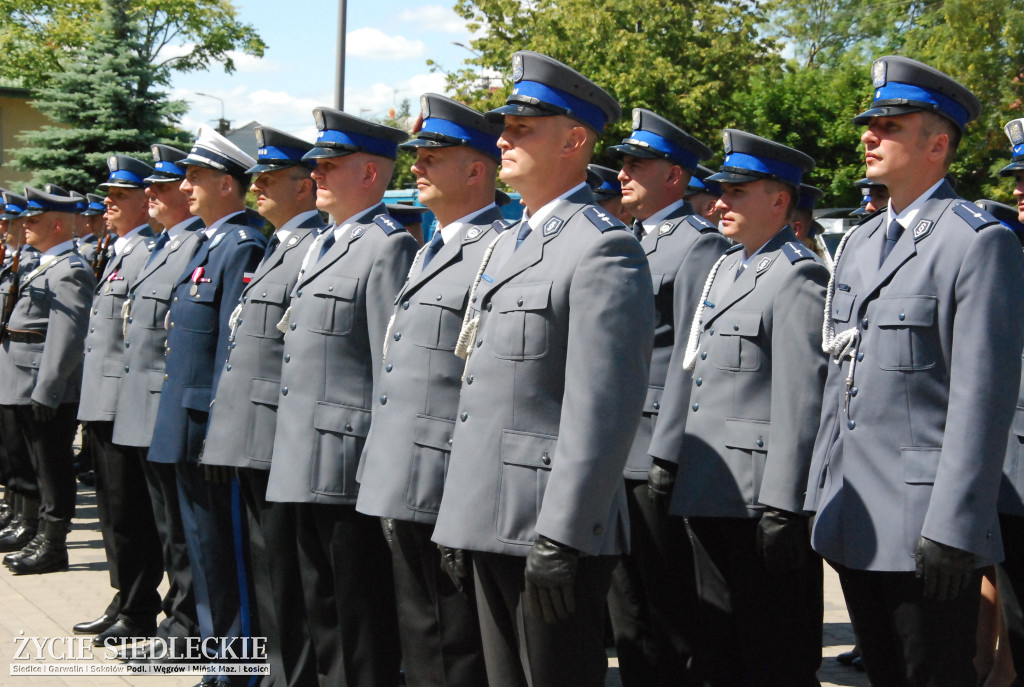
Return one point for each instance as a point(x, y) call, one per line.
point(16, 116)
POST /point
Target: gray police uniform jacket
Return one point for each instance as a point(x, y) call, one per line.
point(145, 337)
point(406, 453)
point(87, 248)
point(104, 344)
point(54, 298)
point(1011, 489)
point(554, 389)
point(681, 251)
point(755, 395)
point(918, 449)
point(244, 413)
point(332, 350)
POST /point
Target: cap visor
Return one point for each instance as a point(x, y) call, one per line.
point(426, 143)
point(119, 184)
point(32, 212)
point(162, 179)
point(502, 198)
point(321, 153)
point(1012, 168)
point(733, 178)
point(636, 151)
point(516, 110)
point(884, 111)
point(606, 195)
point(261, 167)
point(10, 215)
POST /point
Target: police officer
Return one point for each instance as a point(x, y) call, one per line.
point(560, 328)
point(333, 343)
point(41, 364)
point(244, 416)
point(654, 634)
point(145, 338)
point(604, 182)
point(806, 228)
point(408, 446)
point(125, 512)
point(703, 194)
point(915, 421)
point(202, 300)
point(755, 396)
point(89, 226)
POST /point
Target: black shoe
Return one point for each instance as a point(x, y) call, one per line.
point(94, 627)
point(124, 629)
point(15, 539)
point(857, 664)
point(848, 657)
point(30, 548)
point(88, 478)
point(6, 515)
point(52, 556)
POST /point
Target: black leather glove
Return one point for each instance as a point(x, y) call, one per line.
point(550, 577)
point(218, 474)
point(945, 570)
point(43, 414)
point(661, 478)
point(453, 563)
point(388, 526)
point(782, 540)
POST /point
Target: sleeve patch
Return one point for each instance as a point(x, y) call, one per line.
point(601, 219)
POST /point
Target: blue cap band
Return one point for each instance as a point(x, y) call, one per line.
point(578, 109)
point(918, 94)
point(781, 170)
point(367, 144)
point(267, 153)
point(97, 206)
point(170, 168)
point(609, 187)
point(697, 184)
point(1018, 151)
point(682, 156)
point(475, 138)
point(11, 207)
point(125, 175)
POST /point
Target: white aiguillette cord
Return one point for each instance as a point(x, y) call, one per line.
point(690, 359)
point(846, 342)
point(467, 336)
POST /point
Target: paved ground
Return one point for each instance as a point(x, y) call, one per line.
point(48, 605)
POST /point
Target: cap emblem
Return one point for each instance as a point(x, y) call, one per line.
point(424, 106)
point(112, 163)
point(727, 141)
point(517, 67)
point(318, 117)
point(636, 118)
point(260, 141)
point(878, 73)
point(1016, 132)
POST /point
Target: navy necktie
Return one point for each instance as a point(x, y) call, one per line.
point(436, 244)
point(326, 245)
point(271, 247)
point(161, 241)
point(892, 235)
point(524, 231)
point(638, 230)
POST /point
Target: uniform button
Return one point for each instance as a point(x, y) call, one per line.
point(263, 296)
point(656, 406)
point(388, 367)
point(519, 302)
point(698, 381)
point(464, 416)
point(298, 294)
point(127, 345)
point(449, 441)
point(172, 325)
point(231, 346)
point(330, 288)
point(469, 379)
point(851, 424)
point(89, 349)
point(546, 459)
point(712, 332)
point(129, 320)
point(92, 330)
point(125, 368)
point(405, 305)
point(853, 391)
point(348, 428)
point(284, 391)
point(735, 327)
point(288, 358)
point(384, 399)
point(239, 320)
point(598, 529)
point(95, 311)
point(695, 407)
point(760, 443)
point(474, 299)
point(167, 350)
point(228, 367)
point(479, 343)
point(154, 292)
point(864, 323)
point(704, 355)
point(860, 357)
point(165, 378)
point(489, 306)
point(902, 317)
point(438, 297)
point(398, 336)
point(292, 326)
point(175, 298)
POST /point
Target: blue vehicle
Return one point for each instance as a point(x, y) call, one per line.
point(512, 211)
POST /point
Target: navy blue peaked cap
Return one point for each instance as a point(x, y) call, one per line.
point(749, 158)
point(604, 181)
point(340, 133)
point(41, 201)
point(655, 137)
point(126, 172)
point(446, 123)
point(278, 150)
point(167, 165)
point(701, 183)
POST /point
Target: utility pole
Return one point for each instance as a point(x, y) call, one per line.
point(339, 86)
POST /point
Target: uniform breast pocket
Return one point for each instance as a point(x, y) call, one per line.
point(112, 297)
point(39, 298)
point(150, 305)
point(842, 306)
point(439, 316)
point(201, 315)
point(738, 348)
point(907, 337)
point(520, 329)
point(525, 466)
point(268, 303)
point(335, 298)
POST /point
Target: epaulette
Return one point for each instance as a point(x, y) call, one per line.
point(733, 249)
point(975, 217)
point(500, 225)
point(797, 251)
point(700, 224)
point(76, 260)
point(245, 235)
point(601, 219)
point(388, 223)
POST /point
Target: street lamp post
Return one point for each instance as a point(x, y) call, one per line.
point(339, 87)
point(223, 125)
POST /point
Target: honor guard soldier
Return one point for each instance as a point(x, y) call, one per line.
point(560, 328)
point(145, 339)
point(408, 446)
point(652, 597)
point(333, 343)
point(703, 195)
point(122, 500)
point(244, 416)
point(925, 327)
point(202, 300)
point(604, 182)
point(89, 226)
point(41, 364)
point(757, 373)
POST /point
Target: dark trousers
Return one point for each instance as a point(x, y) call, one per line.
point(126, 523)
point(521, 650)
point(277, 583)
point(349, 595)
point(438, 626)
point(653, 597)
point(16, 472)
point(1010, 578)
point(214, 532)
point(49, 449)
point(179, 603)
point(906, 639)
point(758, 627)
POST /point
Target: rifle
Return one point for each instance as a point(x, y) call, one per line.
point(11, 297)
point(101, 256)
point(3, 248)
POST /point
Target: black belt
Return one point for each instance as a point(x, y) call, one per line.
point(24, 336)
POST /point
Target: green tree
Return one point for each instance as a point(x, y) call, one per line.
point(402, 119)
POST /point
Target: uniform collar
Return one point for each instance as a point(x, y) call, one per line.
point(449, 232)
point(288, 228)
point(651, 222)
point(907, 217)
point(212, 229)
point(122, 241)
point(61, 248)
point(179, 228)
point(747, 259)
point(537, 219)
point(341, 227)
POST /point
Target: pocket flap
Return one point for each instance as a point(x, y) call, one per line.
point(206, 292)
point(112, 367)
point(656, 280)
point(530, 450)
point(842, 306)
point(653, 402)
point(434, 432)
point(25, 358)
point(334, 417)
point(118, 287)
point(920, 464)
point(906, 311)
point(156, 380)
point(196, 398)
point(522, 297)
point(160, 292)
point(269, 293)
point(739, 324)
point(443, 295)
point(337, 287)
point(264, 391)
point(1018, 422)
point(747, 435)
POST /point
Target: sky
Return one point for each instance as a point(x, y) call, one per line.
point(388, 44)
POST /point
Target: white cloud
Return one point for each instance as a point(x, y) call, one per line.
point(374, 44)
point(250, 64)
point(277, 109)
point(434, 18)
